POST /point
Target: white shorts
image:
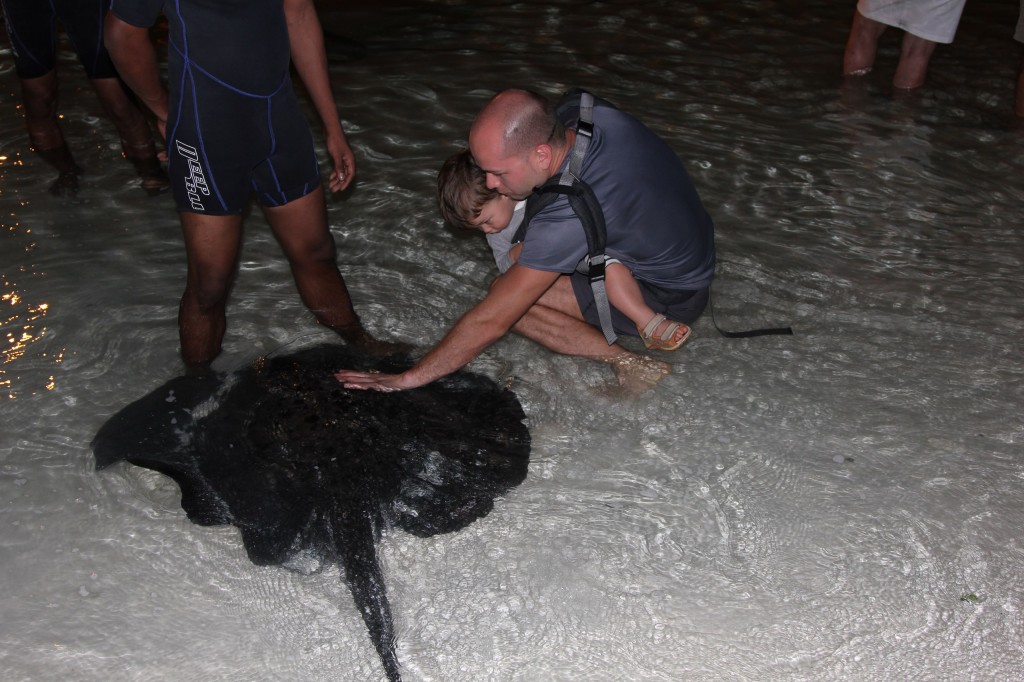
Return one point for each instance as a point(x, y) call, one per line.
point(934, 20)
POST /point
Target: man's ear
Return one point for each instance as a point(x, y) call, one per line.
point(542, 156)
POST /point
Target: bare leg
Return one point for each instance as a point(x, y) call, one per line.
point(624, 293)
point(556, 323)
point(301, 228)
point(40, 98)
point(862, 45)
point(913, 66)
point(136, 136)
point(211, 244)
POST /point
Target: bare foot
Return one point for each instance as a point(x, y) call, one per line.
point(66, 185)
point(143, 156)
point(862, 45)
point(202, 369)
point(914, 57)
point(153, 179)
point(361, 338)
point(636, 374)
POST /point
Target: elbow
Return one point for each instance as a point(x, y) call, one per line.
point(113, 35)
point(119, 38)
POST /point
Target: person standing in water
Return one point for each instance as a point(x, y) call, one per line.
point(32, 29)
point(925, 23)
point(234, 128)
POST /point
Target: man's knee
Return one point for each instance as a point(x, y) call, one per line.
point(325, 248)
point(205, 300)
point(207, 290)
point(116, 103)
point(40, 96)
point(317, 249)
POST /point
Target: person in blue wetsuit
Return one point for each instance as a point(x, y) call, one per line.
point(32, 29)
point(234, 129)
point(656, 226)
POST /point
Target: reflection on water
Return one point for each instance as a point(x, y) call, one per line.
point(22, 319)
point(819, 506)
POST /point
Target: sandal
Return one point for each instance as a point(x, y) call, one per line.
point(666, 340)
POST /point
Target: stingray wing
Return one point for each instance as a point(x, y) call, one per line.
point(466, 446)
point(157, 432)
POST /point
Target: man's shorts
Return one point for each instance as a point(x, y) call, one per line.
point(32, 27)
point(680, 306)
point(224, 145)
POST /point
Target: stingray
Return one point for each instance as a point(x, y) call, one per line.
point(311, 473)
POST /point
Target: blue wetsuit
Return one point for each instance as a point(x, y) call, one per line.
point(32, 27)
point(234, 125)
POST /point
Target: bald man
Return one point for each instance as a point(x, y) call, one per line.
point(656, 226)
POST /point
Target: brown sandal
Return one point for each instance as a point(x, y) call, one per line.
point(665, 340)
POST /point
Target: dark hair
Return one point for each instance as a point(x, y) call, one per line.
point(462, 190)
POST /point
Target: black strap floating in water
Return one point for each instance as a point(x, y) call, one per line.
point(767, 331)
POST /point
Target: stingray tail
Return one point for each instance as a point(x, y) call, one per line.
point(356, 545)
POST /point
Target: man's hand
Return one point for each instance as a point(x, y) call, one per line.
point(373, 381)
point(307, 48)
point(344, 163)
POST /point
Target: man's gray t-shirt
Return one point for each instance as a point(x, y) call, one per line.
point(657, 225)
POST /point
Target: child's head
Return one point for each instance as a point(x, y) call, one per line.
point(465, 199)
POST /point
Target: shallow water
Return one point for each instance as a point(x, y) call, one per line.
point(845, 503)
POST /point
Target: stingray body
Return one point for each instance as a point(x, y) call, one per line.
point(311, 472)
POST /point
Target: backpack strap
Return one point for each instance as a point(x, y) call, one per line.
point(587, 208)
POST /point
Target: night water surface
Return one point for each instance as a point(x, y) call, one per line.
point(842, 504)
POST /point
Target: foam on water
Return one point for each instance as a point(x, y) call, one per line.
point(840, 504)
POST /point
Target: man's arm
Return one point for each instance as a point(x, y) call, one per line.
point(310, 60)
point(134, 56)
point(509, 298)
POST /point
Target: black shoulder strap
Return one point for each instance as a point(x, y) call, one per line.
point(535, 203)
point(584, 204)
point(545, 194)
